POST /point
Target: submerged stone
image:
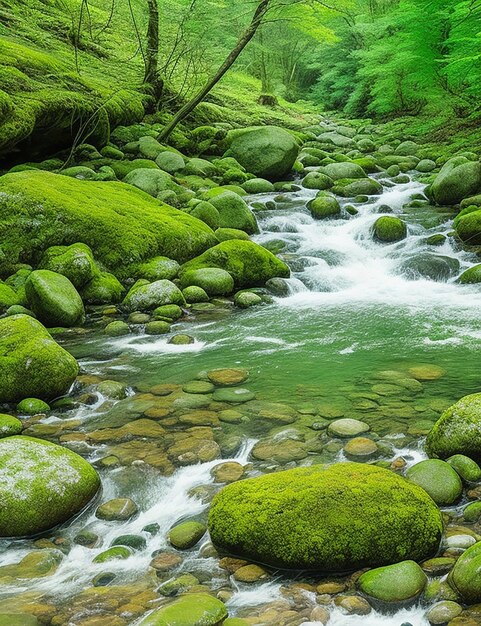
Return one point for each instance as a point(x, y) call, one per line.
point(118, 509)
point(193, 609)
point(186, 535)
point(303, 518)
point(227, 377)
point(42, 485)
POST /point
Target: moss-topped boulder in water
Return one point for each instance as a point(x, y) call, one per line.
point(122, 225)
point(389, 229)
point(54, 299)
point(234, 212)
point(193, 609)
point(145, 297)
point(249, 264)
point(343, 517)
point(458, 179)
point(42, 485)
point(266, 151)
point(75, 262)
point(213, 280)
point(458, 430)
point(32, 364)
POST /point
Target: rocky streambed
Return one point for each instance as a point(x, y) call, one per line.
point(258, 407)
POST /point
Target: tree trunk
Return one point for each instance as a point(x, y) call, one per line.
point(151, 59)
point(248, 34)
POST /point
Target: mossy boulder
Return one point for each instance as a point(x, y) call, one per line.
point(122, 225)
point(389, 229)
point(207, 212)
point(8, 297)
point(75, 262)
point(193, 609)
point(214, 281)
point(151, 181)
point(159, 268)
point(170, 162)
point(234, 213)
point(226, 234)
point(186, 535)
point(54, 299)
point(458, 430)
point(317, 180)
point(246, 299)
point(467, 469)
point(338, 171)
point(249, 264)
point(339, 518)
point(438, 479)
point(471, 276)
point(104, 288)
point(9, 425)
point(43, 485)
point(394, 583)
point(258, 185)
point(349, 188)
point(32, 406)
point(432, 266)
point(32, 364)
point(464, 577)
point(323, 206)
point(468, 225)
point(458, 179)
point(152, 295)
point(267, 151)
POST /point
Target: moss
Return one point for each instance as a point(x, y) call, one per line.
point(324, 205)
point(225, 234)
point(464, 577)
point(349, 188)
point(102, 289)
point(338, 518)
point(32, 364)
point(9, 425)
point(75, 262)
point(249, 264)
point(193, 609)
point(234, 213)
point(207, 212)
point(458, 430)
point(54, 299)
point(159, 268)
point(389, 229)
point(471, 275)
point(8, 297)
point(44, 485)
point(152, 295)
point(122, 225)
point(214, 281)
point(124, 168)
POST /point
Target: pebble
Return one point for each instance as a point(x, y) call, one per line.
point(347, 427)
point(228, 377)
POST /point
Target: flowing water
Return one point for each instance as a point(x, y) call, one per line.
point(354, 319)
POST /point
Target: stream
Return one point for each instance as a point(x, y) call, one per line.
point(356, 317)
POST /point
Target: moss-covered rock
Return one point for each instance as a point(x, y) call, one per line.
point(207, 212)
point(9, 425)
point(389, 229)
point(458, 179)
point(151, 181)
point(122, 225)
point(226, 234)
point(117, 329)
point(267, 151)
point(438, 479)
point(170, 162)
point(468, 225)
point(471, 276)
point(150, 296)
point(317, 180)
point(467, 469)
point(8, 297)
point(43, 485)
point(464, 577)
point(193, 609)
point(54, 299)
point(75, 262)
point(186, 535)
point(31, 362)
point(349, 188)
point(32, 406)
point(234, 213)
point(324, 205)
point(104, 288)
point(394, 583)
point(458, 430)
point(258, 185)
point(159, 268)
point(338, 171)
point(338, 518)
point(214, 281)
point(246, 299)
point(249, 264)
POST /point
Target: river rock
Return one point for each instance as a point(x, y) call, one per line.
point(324, 205)
point(145, 297)
point(214, 281)
point(75, 262)
point(468, 469)
point(394, 583)
point(389, 229)
point(426, 372)
point(249, 264)
point(117, 329)
point(337, 171)
point(54, 299)
point(113, 554)
point(458, 179)
point(443, 612)
point(32, 406)
point(36, 564)
point(434, 267)
point(267, 151)
point(350, 188)
point(347, 427)
point(158, 268)
point(186, 535)
point(233, 395)
point(104, 288)
point(360, 448)
point(246, 299)
point(193, 609)
point(458, 430)
point(43, 485)
point(118, 509)
point(471, 276)
point(228, 377)
point(234, 213)
point(9, 425)
point(439, 479)
point(302, 518)
point(31, 362)
point(227, 472)
point(464, 577)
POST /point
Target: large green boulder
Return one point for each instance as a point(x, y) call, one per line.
point(150, 296)
point(394, 583)
point(438, 479)
point(432, 266)
point(151, 181)
point(32, 364)
point(458, 430)
point(468, 226)
point(350, 188)
point(336, 518)
point(266, 151)
point(104, 288)
point(234, 213)
point(324, 205)
point(465, 576)
point(75, 262)
point(471, 276)
point(122, 225)
point(337, 171)
point(249, 264)
point(213, 280)
point(54, 299)
point(389, 229)
point(8, 297)
point(458, 179)
point(42, 485)
point(193, 609)
point(160, 268)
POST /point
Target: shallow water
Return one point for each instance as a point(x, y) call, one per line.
point(352, 317)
